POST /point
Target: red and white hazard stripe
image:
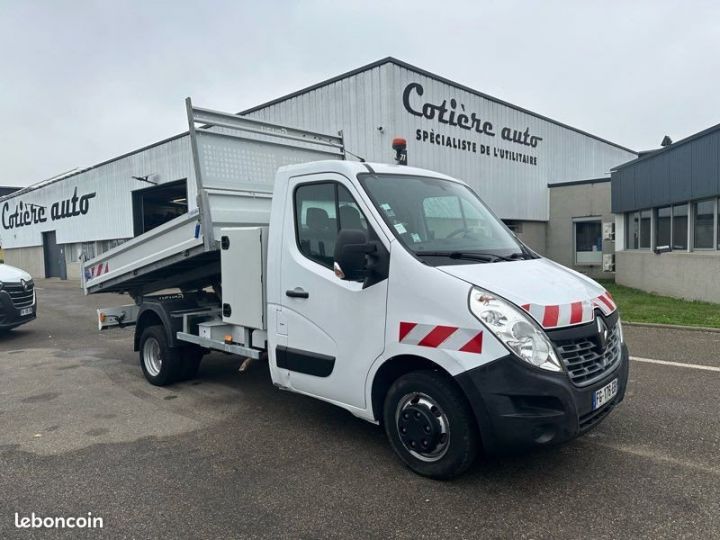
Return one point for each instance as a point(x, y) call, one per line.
point(554, 316)
point(561, 315)
point(441, 337)
point(99, 269)
point(605, 303)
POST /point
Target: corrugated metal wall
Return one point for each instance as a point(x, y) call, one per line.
point(370, 99)
point(688, 171)
point(109, 213)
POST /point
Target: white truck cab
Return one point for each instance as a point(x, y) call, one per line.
point(391, 285)
point(390, 291)
point(17, 297)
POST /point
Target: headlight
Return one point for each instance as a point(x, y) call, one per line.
point(515, 329)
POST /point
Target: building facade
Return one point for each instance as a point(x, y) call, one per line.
point(667, 225)
point(579, 231)
point(508, 154)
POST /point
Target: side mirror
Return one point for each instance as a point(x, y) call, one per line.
point(351, 248)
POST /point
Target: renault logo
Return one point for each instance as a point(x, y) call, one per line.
point(24, 284)
point(603, 333)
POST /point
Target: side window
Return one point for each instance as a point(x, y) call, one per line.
point(316, 221)
point(321, 211)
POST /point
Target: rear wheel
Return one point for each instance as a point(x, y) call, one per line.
point(430, 425)
point(160, 363)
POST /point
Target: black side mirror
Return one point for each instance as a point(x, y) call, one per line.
point(351, 248)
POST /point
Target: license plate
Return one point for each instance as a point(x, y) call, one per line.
point(25, 311)
point(604, 394)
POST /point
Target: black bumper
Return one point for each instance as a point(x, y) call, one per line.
point(10, 315)
point(518, 407)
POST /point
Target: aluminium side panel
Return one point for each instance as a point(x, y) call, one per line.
point(234, 162)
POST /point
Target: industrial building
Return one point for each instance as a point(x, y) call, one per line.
point(667, 226)
point(514, 158)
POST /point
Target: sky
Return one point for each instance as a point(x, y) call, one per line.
point(85, 81)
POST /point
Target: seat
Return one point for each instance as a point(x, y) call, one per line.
point(319, 233)
point(350, 218)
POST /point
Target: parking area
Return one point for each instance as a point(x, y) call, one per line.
point(229, 455)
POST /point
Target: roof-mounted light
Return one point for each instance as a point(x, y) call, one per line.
point(400, 146)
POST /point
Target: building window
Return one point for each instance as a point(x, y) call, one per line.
point(680, 227)
point(663, 227)
point(633, 230)
point(588, 242)
point(704, 224)
point(717, 236)
point(645, 228)
point(515, 226)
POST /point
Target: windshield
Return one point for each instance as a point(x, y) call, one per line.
point(433, 217)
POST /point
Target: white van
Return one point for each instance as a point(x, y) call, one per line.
point(17, 297)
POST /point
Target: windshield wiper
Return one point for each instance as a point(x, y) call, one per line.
point(481, 257)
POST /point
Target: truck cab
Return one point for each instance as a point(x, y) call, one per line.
point(395, 293)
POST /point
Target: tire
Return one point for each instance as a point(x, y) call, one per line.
point(160, 363)
point(191, 357)
point(436, 419)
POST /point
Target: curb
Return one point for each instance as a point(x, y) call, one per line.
point(672, 327)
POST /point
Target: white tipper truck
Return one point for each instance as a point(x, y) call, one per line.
point(390, 291)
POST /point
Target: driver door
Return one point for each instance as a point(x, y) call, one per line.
point(335, 328)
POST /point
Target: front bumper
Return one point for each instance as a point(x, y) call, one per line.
point(517, 406)
point(10, 315)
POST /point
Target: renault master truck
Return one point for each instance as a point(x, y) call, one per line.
point(390, 291)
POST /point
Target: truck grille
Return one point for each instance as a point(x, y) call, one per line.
point(21, 296)
point(586, 361)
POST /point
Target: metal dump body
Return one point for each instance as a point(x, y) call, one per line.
point(235, 160)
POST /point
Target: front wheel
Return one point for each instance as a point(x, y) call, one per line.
point(430, 425)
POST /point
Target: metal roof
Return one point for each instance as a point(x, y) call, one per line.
point(420, 71)
point(648, 154)
point(75, 172)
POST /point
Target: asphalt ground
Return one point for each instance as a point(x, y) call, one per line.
point(228, 455)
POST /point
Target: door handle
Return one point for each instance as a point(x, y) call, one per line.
point(297, 293)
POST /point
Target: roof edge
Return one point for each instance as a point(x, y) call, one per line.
point(420, 71)
point(653, 153)
point(54, 179)
point(581, 182)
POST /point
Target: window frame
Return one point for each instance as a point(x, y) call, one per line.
point(629, 216)
point(651, 240)
point(656, 224)
point(687, 225)
point(575, 221)
point(693, 211)
point(335, 184)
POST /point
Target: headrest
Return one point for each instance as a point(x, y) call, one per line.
point(317, 218)
point(350, 217)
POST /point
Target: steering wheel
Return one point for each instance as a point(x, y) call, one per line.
point(458, 231)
